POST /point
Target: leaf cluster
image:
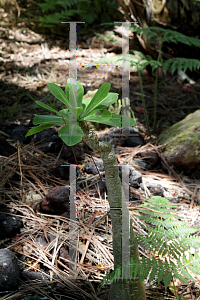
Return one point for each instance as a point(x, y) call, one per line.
point(170, 239)
point(78, 110)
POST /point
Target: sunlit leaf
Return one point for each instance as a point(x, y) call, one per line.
point(58, 93)
point(108, 100)
point(98, 97)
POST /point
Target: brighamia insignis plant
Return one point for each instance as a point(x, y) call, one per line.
point(74, 120)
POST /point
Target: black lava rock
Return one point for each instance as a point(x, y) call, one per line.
point(5, 148)
point(50, 137)
point(19, 133)
point(10, 225)
point(9, 271)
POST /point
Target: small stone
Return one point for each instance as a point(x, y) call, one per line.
point(56, 201)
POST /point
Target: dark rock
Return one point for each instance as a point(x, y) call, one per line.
point(27, 274)
point(50, 137)
point(5, 148)
point(91, 168)
point(135, 177)
point(61, 172)
point(150, 159)
point(155, 188)
point(19, 133)
point(135, 200)
point(134, 138)
point(9, 272)
point(10, 225)
point(56, 201)
point(3, 208)
point(42, 241)
point(72, 152)
point(7, 128)
point(126, 137)
point(140, 163)
point(64, 254)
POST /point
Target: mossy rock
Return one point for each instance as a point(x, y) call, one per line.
point(181, 143)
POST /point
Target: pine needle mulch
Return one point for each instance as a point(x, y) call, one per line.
point(25, 180)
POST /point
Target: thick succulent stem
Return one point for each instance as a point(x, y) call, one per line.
point(131, 289)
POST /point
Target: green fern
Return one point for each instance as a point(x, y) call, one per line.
point(180, 63)
point(52, 4)
point(168, 238)
point(89, 11)
point(166, 35)
point(140, 61)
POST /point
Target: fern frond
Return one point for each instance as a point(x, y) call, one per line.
point(166, 35)
point(170, 239)
point(180, 63)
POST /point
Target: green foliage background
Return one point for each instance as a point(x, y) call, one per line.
point(92, 12)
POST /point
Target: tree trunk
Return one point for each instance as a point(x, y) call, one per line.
point(180, 15)
point(123, 289)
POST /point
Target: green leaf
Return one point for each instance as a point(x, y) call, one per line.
point(77, 90)
point(58, 93)
point(64, 112)
point(39, 128)
point(82, 113)
point(46, 106)
point(71, 134)
point(98, 115)
point(80, 93)
point(161, 271)
point(167, 279)
point(110, 99)
point(70, 91)
point(98, 97)
point(116, 120)
point(154, 270)
point(47, 119)
point(85, 104)
point(76, 111)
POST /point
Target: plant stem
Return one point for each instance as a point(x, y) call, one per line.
point(127, 289)
point(156, 91)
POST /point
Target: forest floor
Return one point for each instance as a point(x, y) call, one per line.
point(29, 61)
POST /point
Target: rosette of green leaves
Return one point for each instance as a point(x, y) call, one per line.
point(78, 110)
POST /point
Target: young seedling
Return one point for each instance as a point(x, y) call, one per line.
point(74, 120)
